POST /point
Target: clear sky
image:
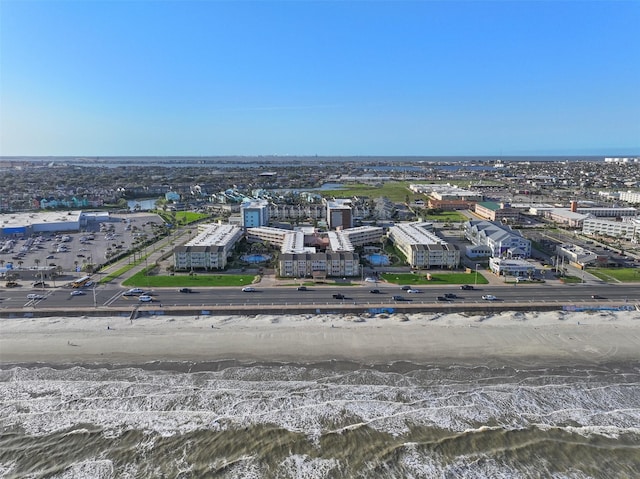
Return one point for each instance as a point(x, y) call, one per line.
point(207, 77)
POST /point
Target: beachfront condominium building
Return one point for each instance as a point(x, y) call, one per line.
point(209, 249)
point(319, 265)
point(501, 239)
point(422, 248)
point(255, 213)
point(339, 214)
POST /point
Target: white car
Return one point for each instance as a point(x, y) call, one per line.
point(248, 289)
point(77, 292)
point(489, 297)
point(413, 290)
point(145, 298)
point(35, 296)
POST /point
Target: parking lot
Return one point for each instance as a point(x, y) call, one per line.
point(70, 252)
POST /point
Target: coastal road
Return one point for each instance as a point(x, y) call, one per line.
point(289, 296)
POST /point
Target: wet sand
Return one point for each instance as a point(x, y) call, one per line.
point(502, 338)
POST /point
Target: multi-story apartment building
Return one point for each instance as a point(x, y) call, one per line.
point(628, 228)
point(255, 213)
point(209, 249)
point(422, 248)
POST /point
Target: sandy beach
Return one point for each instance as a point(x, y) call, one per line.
point(508, 338)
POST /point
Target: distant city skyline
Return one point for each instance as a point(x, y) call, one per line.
point(328, 78)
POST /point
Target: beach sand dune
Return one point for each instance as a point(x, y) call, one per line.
point(505, 338)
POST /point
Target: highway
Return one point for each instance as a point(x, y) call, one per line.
point(111, 297)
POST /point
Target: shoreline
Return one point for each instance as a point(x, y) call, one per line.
point(502, 338)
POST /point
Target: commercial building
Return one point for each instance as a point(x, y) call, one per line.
point(511, 267)
point(492, 211)
point(422, 248)
point(448, 197)
point(502, 240)
point(17, 225)
point(209, 249)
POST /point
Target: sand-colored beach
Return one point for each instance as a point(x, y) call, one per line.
point(514, 338)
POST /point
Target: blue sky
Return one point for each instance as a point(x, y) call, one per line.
point(101, 78)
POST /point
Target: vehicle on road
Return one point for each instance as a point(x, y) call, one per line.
point(450, 295)
point(302, 288)
point(338, 296)
point(405, 288)
point(371, 280)
point(375, 291)
point(40, 284)
point(77, 292)
point(248, 289)
point(186, 290)
point(466, 287)
point(489, 297)
point(596, 296)
point(35, 296)
point(398, 297)
point(133, 292)
point(443, 298)
point(414, 290)
point(145, 298)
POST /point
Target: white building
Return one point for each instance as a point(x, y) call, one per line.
point(501, 239)
point(628, 228)
point(511, 267)
point(209, 249)
point(422, 248)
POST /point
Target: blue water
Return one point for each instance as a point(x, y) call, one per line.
point(256, 258)
point(378, 259)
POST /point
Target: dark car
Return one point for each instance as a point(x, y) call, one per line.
point(450, 295)
point(186, 290)
point(397, 297)
point(443, 298)
point(338, 296)
point(302, 288)
point(375, 291)
point(40, 284)
point(405, 288)
point(466, 286)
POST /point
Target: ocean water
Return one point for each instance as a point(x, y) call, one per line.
point(324, 420)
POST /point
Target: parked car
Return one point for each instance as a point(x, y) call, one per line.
point(248, 289)
point(145, 298)
point(338, 296)
point(489, 297)
point(466, 287)
point(186, 290)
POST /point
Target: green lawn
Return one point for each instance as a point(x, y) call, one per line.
point(394, 190)
point(186, 281)
point(625, 275)
point(439, 278)
point(447, 217)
